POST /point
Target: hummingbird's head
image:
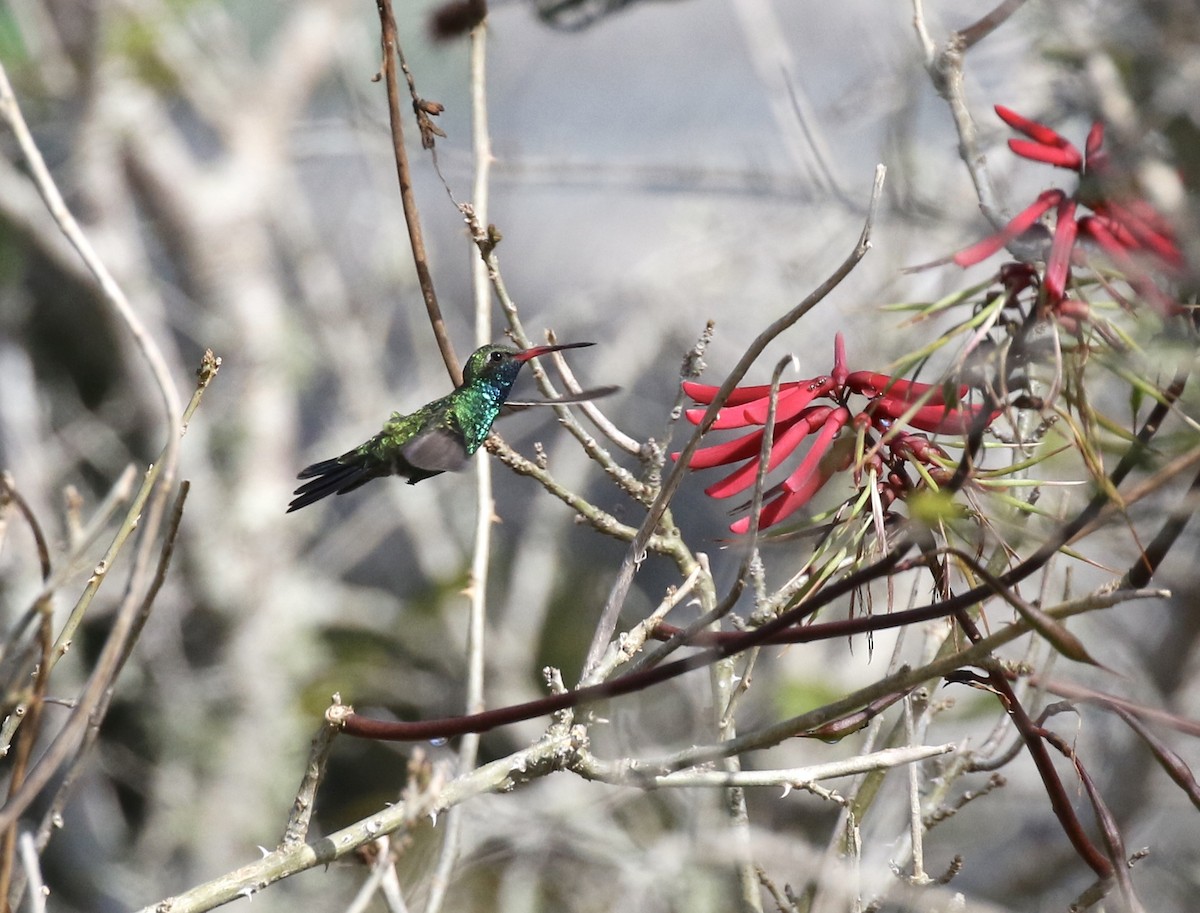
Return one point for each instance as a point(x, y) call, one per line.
point(501, 364)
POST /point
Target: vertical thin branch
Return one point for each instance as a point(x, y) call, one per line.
point(945, 69)
point(391, 48)
point(914, 798)
point(33, 874)
point(484, 500)
point(296, 831)
point(26, 738)
point(722, 677)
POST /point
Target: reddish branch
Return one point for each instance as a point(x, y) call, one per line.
point(784, 628)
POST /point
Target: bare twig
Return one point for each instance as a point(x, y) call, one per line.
point(108, 664)
point(631, 643)
point(296, 831)
point(985, 25)
point(592, 411)
point(391, 46)
point(71, 775)
point(636, 552)
point(9, 493)
point(477, 586)
point(619, 773)
point(945, 68)
point(383, 868)
point(686, 635)
point(33, 874)
point(416, 807)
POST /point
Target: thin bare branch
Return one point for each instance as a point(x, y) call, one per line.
point(391, 48)
point(636, 554)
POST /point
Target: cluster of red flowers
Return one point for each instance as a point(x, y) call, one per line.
point(1126, 231)
point(1129, 232)
point(820, 406)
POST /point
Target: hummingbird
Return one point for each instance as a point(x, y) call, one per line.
point(440, 436)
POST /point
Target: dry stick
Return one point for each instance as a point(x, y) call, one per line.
point(210, 364)
point(246, 881)
point(33, 874)
point(884, 759)
point(468, 748)
point(589, 408)
point(209, 367)
point(988, 23)
point(630, 643)
point(64, 789)
point(723, 671)
point(170, 535)
point(113, 295)
point(26, 738)
point(32, 708)
point(634, 556)
point(1143, 569)
point(8, 492)
point(391, 49)
point(945, 69)
point(77, 723)
point(80, 546)
point(296, 831)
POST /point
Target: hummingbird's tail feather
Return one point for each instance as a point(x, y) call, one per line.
point(330, 477)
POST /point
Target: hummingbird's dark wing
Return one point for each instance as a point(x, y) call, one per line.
point(439, 449)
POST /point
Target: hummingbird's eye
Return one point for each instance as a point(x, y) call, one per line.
point(496, 356)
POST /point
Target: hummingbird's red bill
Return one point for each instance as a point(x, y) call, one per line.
point(535, 351)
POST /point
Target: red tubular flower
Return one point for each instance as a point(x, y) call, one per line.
point(782, 447)
point(1145, 229)
point(1130, 226)
point(936, 419)
point(869, 383)
point(1023, 221)
point(799, 418)
point(1058, 264)
point(1041, 134)
point(813, 472)
point(793, 398)
point(1108, 236)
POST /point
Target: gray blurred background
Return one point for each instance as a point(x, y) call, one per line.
point(657, 166)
